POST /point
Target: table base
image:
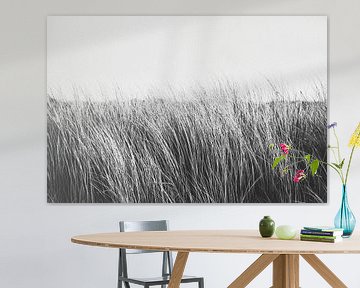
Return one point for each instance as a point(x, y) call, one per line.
point(285, 270)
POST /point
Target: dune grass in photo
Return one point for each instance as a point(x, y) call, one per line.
point(211, 147)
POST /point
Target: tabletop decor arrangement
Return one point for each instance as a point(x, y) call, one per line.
point(305, 165)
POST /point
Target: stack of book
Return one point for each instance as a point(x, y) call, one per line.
point(321, 234)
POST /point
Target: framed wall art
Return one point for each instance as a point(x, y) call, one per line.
point(184, 109)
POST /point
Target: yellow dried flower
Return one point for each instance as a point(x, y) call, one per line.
point(355, 138)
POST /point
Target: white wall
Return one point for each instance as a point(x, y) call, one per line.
point(35, 248)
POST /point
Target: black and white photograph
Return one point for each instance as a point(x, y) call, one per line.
point(186, 109)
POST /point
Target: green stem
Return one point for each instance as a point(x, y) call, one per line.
point(339, 171)
point(336, 169)
point(334, 154)
point(322, 162)
point(339, 154)
point(348, 166)
point(338, 144)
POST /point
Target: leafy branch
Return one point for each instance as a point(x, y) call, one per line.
point(312, 164)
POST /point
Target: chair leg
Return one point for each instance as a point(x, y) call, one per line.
point(201, 283)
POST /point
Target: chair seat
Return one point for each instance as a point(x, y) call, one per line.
point(158, 280)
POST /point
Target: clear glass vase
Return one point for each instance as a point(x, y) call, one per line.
point(345, 219)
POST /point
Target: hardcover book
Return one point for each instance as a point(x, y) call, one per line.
point(337, 239)
point(323, 228)
point(321, 233)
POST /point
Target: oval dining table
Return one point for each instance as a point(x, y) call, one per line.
point(284, 254)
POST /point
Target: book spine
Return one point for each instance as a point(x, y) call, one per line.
point(319, 233)
point(318, 236)
point(317, 239)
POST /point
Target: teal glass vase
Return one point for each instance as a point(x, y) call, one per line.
point(345, 219)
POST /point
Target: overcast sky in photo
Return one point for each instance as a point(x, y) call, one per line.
point(138, 53)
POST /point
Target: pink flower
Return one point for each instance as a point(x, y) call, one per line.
point(285, 148)
point(299, 175)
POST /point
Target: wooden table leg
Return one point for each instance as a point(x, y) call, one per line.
point(286, 271)
point(324, 271)
point(178, 270)
point(293, 261)
point(253, 270)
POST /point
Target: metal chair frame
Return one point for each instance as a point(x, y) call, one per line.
point(167, 262)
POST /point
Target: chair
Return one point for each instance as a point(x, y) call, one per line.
point(167, 262)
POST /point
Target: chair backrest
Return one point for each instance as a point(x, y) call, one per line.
point(134, 226)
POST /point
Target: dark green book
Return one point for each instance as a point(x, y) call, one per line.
point(325, 240)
